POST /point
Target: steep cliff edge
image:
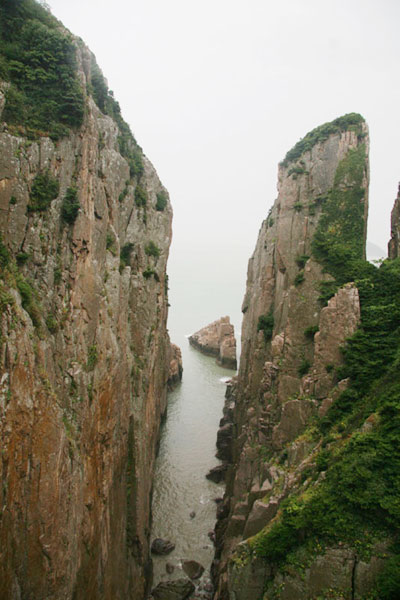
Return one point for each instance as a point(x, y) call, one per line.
point(310, 503)
point(86, 228)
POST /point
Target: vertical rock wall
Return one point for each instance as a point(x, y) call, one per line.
point(83, 365)
point(394, 244)
point(290, 349)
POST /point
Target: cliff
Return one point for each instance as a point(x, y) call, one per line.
point(175, 367)
point(309, 509)
point(217, 339)
point(394, 243)
point(85, 233)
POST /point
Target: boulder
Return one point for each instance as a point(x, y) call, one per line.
point(161, 547)
point(217, 474)
point(192, 568)
point(179, 589)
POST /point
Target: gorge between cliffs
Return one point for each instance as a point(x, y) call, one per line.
point(309, 427)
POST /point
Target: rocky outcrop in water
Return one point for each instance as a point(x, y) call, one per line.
point(217, 339)
point(290, 376)
point(85, 233)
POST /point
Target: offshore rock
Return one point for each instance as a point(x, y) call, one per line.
point(175, 367)
point(217, 339)
point(84, 359)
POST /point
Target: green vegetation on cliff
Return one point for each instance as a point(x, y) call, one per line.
point(349, 122)
point(356, 502)
point(105, 100)
point(38, 58)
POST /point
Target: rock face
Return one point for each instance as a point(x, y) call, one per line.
point(394, 244)
point(217, 339)
point(84, 359)
point(289, 369)
point(175, 367)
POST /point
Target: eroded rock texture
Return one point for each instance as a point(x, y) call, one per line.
point(84, 363)
point(217, 339)
point(175, 367)
point(288, 374)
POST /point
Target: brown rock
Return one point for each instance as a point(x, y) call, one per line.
point(83, 373)
point(217, 339)
point(175, 367)
point(217, 474)
point(286, 375)
point(192, 568)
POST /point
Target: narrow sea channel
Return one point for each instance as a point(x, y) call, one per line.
point(187, 452)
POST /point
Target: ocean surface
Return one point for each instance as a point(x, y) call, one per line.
point(199, 294)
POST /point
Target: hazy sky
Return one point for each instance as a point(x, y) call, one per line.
point(216, 92)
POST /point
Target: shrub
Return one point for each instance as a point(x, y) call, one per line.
point(299, 278)
point(57, 275)
point(310, 332)
point(301, 261)
point(123, 194)
point(388, 583)
point(39, 59)
point(92, 358)
point(28, 299)
point(351, 121)
point(4, 255)
point(105, 100)
point(266, 325)
point(161, 201)
point(140, 196)
point(51, 324)
point(297, 206)
point(70, 206)
point(304, 367)
point(147, 273)
point(125, 255)
point(45, 188)
point(152, 250)
point(110, 243)
point(297, 171)
point(22, 258)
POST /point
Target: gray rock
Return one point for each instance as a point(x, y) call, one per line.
point(179, 589)
point(217, 474)
point(160, 546)
point(192, 568)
